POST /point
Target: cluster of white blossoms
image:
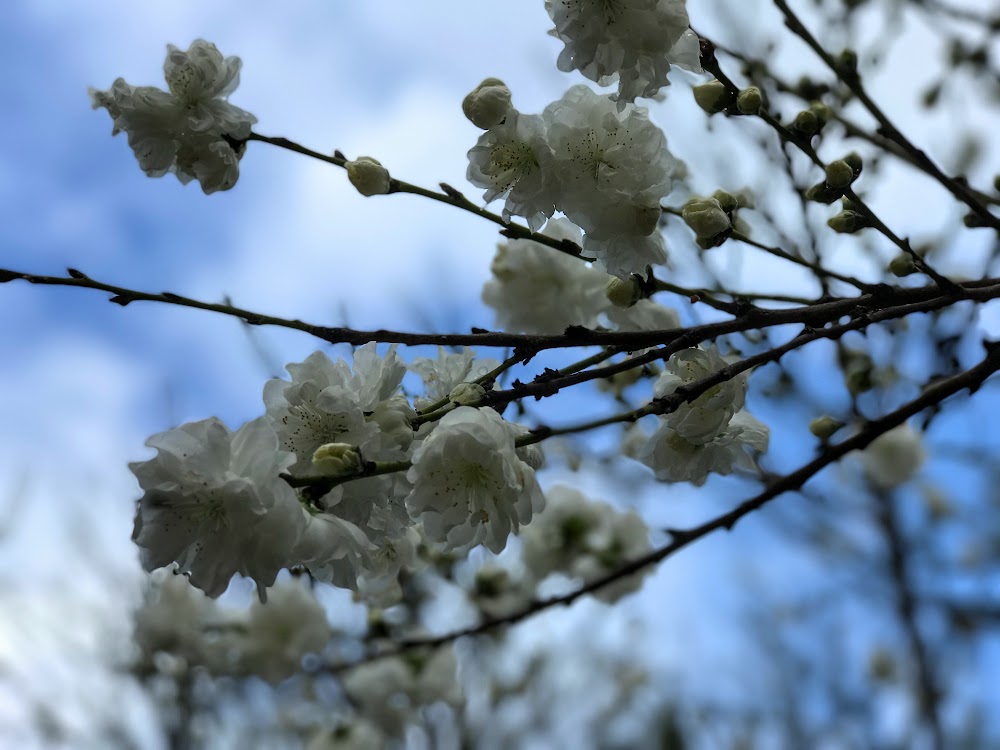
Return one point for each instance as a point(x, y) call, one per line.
point(389, 691)
point(585, 539)
point(535, 289)
point(711, 434)
point(177, 628)
point(604, 167)
point(302, 485)
point(635, 41)
point(190, 130)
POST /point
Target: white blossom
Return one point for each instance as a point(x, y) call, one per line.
point(178, 619)
point(191, 129)
point(702, 419)
point(278, 634)
point(644, 315)
point(469, 485)
point(612, 168)
point(496, 590)
point(388, 692)
point(584, 539)
point(445, 373)
point(215, 504)
point(894, 457)
point(511, 161)
point(625, 254)
point(633, 40)
point(334, 550)
point(537, 289)
point(675, 459)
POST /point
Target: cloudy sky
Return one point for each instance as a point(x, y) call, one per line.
point(84, 382)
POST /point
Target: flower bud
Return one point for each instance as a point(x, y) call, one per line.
point(727, 201)
point(902, 265)
point(806, 122)
point(368, 176)
point(853, 160)
point(487, 104)
point(822, 112)
point(823, 193)
point(858, 372)
point(839, 174)
point(706, 217)
point(337, 459)
point(847, 64)
point(749, 101)
point(466, 394)
point(848, 222)
point(973, 220)
point(712, 97)
point(623, 292)
point(824, 427)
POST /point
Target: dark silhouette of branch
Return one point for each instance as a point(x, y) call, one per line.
point(816, 314)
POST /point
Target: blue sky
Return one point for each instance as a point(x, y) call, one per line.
point(84, 382)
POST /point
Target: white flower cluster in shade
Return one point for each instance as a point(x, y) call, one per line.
point(573, 538)
point(604, 168)
point(191, 128)
point(586, 540)
point(635, 41)
point(711, 434)
point(218, 502)
point(536, 289)
point(177, 627)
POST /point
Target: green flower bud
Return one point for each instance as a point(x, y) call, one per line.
point(368, 176)
point(824, 427)
point(823, 193)
point(749, 101)
point(487, 104)
point(712, 97)
point(823, 113)
point(848, 222)
point(839, 174)
point(858, 372)
point(902, 265)
point(337, 459)
point(706, 217)
point(806, 122)
point(973, 220)
point(623, 292)
point(847, 64)
point(727, 201)
point(853, 159)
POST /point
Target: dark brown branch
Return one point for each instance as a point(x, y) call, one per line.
point(575, 336)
